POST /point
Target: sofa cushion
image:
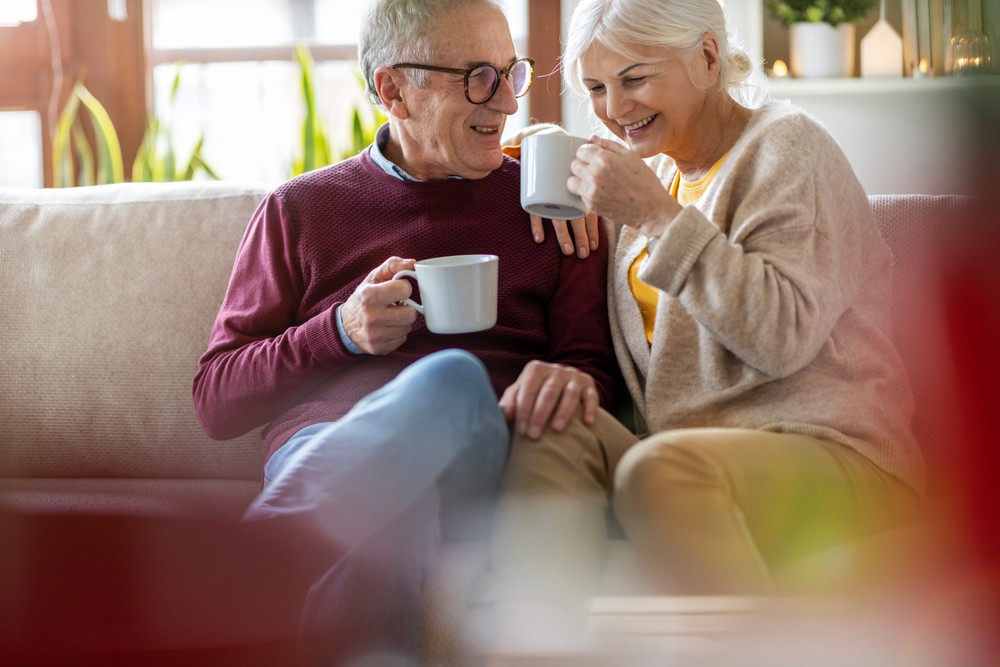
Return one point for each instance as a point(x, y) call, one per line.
point(217, 499)
point(108, 297)
point(916, 228)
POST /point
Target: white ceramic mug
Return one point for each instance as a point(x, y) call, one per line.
point(545, 160)
point(458, 293)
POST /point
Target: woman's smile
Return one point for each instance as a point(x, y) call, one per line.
point(633, 128)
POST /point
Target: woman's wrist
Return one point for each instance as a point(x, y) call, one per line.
point(655, 228)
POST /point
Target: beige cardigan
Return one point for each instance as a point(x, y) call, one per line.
point(774, 304)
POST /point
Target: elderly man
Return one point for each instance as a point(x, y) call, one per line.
point(372, 422)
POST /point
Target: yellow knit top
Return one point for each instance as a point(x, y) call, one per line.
point(686, 193)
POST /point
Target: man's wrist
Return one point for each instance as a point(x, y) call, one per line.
point(344, 338)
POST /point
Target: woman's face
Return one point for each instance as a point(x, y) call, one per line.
point(653, 103)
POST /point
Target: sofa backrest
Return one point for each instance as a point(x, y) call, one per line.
point(108, 295)
point(918, 229)
point(107, 298)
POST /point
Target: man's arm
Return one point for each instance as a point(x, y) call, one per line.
point(260, 359)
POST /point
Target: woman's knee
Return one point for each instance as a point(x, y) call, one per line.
point(662, 468)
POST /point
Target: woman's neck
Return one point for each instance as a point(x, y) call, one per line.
point(718, 134)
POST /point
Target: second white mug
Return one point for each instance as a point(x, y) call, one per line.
point(545, 160)
point(458, 292)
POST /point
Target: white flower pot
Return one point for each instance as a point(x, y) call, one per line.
point(819, 50)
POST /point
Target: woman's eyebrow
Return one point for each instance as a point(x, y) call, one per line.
point(621, 73)
point(629, 68)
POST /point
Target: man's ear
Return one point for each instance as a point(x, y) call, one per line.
point(388, 87)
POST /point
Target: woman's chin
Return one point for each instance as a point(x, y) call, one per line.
point(642, 148)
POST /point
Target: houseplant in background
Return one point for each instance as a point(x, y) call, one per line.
point(156, 159)
point(821, 34)
point(76, 162)
point(316, 149)
point(82, 158)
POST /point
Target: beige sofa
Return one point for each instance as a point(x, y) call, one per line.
point(118, 535)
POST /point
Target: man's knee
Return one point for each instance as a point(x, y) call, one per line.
point(449, 373)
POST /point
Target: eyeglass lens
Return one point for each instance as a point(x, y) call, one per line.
point(484, 80)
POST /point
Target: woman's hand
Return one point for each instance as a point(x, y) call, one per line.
point(617, 185)
point(547, 394)
point(584, 233)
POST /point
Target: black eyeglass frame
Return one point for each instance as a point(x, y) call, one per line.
point(467, 72)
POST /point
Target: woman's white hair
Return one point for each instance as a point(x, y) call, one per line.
point(623, 25)
point(396, 31)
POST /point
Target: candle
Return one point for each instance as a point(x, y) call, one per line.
point(922, 69)
point(780, 69)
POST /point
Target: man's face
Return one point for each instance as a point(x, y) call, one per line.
point(445, 134)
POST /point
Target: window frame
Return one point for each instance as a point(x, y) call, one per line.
point(118, 59)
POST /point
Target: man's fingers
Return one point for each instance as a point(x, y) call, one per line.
point(537, 228)
point(548, 395)
point(537, 408)
point(591, 404)
point(388, 269)
point(561, 228)
point(572, 394)
point(528, 386)
point(580, 235)
point(592, 231)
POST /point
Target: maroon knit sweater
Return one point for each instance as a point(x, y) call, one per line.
point(275, 356)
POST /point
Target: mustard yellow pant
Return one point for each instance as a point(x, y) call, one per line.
point(708, 510)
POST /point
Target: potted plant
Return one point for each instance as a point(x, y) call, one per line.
point(821, 34)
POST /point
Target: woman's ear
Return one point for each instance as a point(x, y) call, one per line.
point(709, 65)
point(388, 87)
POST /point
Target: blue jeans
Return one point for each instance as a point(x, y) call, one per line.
point(372, 483)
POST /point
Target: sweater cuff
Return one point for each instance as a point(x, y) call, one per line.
point(322, 335)
point(674, 255)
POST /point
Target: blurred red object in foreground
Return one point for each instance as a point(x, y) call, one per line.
point(113, 590)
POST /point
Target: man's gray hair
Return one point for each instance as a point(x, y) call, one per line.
point(396, 31)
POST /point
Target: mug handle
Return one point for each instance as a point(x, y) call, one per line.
point(406, 273)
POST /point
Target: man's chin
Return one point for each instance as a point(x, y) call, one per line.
point(486, 162)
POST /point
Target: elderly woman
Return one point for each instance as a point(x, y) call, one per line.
point(750, 291)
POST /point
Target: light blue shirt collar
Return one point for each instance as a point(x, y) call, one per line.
point(379, 158)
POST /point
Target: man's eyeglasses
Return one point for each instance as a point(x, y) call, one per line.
point(482, 81)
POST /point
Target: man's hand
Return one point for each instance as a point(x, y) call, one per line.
point(372, 317)
point(547, 395)
point(584, 231)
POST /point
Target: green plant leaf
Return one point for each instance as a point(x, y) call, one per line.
point(157, 157)
point(192, 165)
point(357, 133)
point(309, 123)
point(315, 150)
point(84, 156)
point(110, 166)
point(63, 173)
point(201, 165)
point(142, 166)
